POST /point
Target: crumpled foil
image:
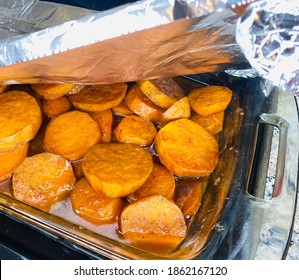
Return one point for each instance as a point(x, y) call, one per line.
point(268, 33)
point(47, 42)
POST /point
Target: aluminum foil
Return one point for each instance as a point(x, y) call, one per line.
point(46, 42)
point(268, 34)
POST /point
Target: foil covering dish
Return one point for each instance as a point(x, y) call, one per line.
point(268, 34)
point(146, 39)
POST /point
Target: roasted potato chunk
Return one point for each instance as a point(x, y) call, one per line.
point(117, 169)
point(52, 91)
point(160, 181)
point(153, 223)
point(135, 130)
point(43, 179)
point(209, 99)
point(99, 97)
point(71, 135)
point(186, 149)
point(163, 92)
point(94, 206)
point(142, 106)
point(20, 119)
point(11, 160)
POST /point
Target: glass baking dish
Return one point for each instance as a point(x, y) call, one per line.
point(235, 220)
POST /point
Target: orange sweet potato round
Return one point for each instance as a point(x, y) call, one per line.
point(71, 135)
point(94, 206)
point(136, 130)
point(3, 88)
point(52, 91)
point(43, 179)
point(153, 223)
point(20, 119)
point(117, 169)
point(160, 181)
point(209, 99)
point(186, 149)
point(163, 92)
point(142, 105)
point(104, 119)
point(56, 107)
point(99, 97)
point(122, 109)
point(180, 109)
point(11, 160)
point(212, 123)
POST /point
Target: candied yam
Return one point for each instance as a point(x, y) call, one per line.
point(163, 92)
point(122, 109)
point(52, 91)
point(99, 97)
point(20, 119)
point(43, 179)
point(77, 168)
point(3, 88)
point(56, 107)
point(135, 130)
point(209, 99)
point(186, 149)
point(212, 123)
point(117, 169)
point(180, 109)
point(160, 181)
point(142, 106)
point(94, 206)
point(189, 195)
point(153, 223)
point(104, 119)
point(11, 160)
point(71, 134)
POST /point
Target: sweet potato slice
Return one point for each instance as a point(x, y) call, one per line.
point(186, 149)
point(52, 91)
point(43, 179)
point(142, 106)
point(77, 168)
point(135, 130)
point(20, 119)
point(104, 119)
point(117, 169)
point(212, 123)
point(99, 97)
point(160, 181)
point(122, 109)
point(189, 195)
point(11, 160)
point(94, 206)
point(153, 223)
point(3, 88)
point(209, 99)
point(71, 134)
point(180, 109)
point(163, 92)
point(56, 107)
